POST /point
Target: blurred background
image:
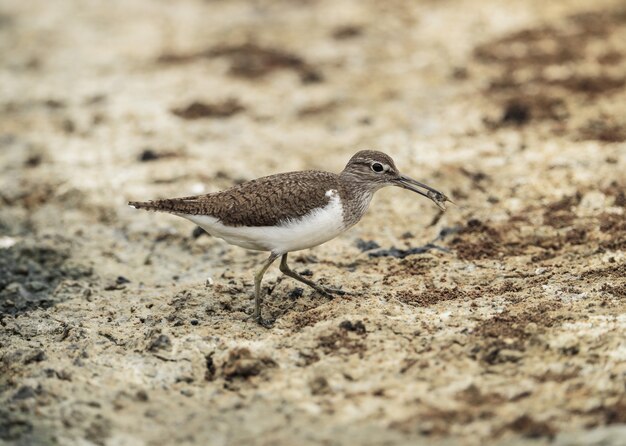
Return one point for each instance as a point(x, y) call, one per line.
point(501, 320)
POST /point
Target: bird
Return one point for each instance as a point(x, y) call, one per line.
point(292, 211)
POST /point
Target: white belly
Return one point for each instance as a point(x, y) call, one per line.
point(313, 229)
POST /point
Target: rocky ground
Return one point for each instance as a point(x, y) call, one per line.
point(121, 327)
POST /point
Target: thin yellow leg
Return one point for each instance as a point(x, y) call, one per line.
point(258, 277)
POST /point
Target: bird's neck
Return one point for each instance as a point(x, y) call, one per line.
point(355, 199)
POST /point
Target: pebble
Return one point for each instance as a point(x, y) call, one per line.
point(7, 242)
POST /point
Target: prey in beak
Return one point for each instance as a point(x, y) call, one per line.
point(437, 197)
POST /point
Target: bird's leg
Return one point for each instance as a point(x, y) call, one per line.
point(284, 268)
point(258, 277)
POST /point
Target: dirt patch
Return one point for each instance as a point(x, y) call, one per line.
point(347, 340)
point(435, 296)
point(615, 413)
point(199, 110)
point(603, 130)
point(560, 213)
point(473, 396)
point(617, 291)
point(612, 223)
point(242, 364)
point(546, 45)
point(617, 191)
point(478, 240)
point(521, 110)
point(13, 428)
point(31, 272)
point(252, 61)
point(532, 51)
point(504, 337)
point(346, 32)
point(527, 93)
point(591, 85)
point(436, 422)
point(409, 267)
point(531, 428)
point(617, 270)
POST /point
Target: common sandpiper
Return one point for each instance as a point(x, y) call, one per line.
point(292, 211)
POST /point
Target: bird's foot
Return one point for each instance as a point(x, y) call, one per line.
point(265, 323)
point(330, 292)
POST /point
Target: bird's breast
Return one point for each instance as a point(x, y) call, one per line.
point(355, 205)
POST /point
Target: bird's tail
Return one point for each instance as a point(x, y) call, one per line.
point(184, 205)
point(153, 205)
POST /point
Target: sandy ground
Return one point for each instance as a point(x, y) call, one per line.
point(509, 330)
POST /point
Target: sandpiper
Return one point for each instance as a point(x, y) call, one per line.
point(292, 211)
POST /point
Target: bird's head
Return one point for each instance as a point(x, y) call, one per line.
point(373, 170)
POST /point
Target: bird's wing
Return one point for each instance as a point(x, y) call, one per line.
point(266, 201)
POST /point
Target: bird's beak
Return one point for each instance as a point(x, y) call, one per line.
point(437, 197)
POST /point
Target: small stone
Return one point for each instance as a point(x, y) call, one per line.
point(211, 370)
point(198, 232)
point(296, 293)
point(319, 386)
point(7, 242)
point(186, 392)
point(121, 280)
point(24, 392)
point(162, 342)
point(38, 356)
point(242, 364)
point(531, 428)
point(64, 375)
point(571, 350)
point(357, 327)
point(141, 395)
point(148, 155)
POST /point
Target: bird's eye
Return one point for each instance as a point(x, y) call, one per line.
point(377, 167)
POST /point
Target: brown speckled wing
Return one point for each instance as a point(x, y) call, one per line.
point(265, 201)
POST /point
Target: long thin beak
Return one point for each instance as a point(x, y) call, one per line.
point(437, 197)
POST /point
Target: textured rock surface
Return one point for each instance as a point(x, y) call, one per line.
point(120, 327)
